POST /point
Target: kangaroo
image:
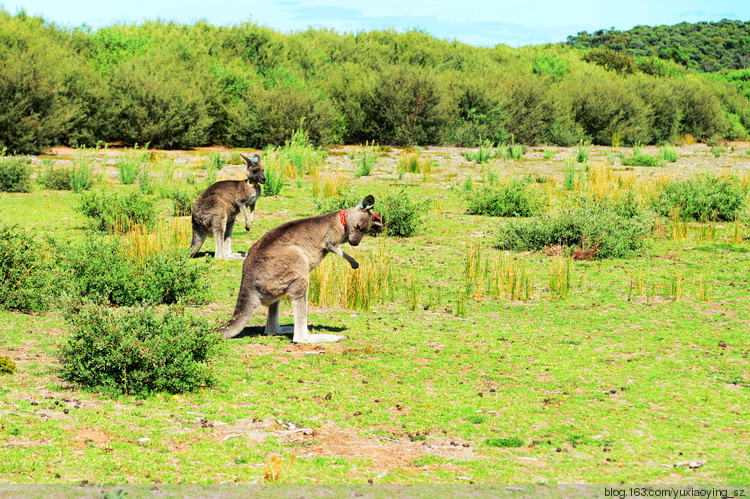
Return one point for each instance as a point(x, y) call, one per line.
point(216, 208)
point(280, 262)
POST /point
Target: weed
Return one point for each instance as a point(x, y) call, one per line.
point(83, 172)
point(483, 154)
point(549, 154)
point(216, 161)
point(569, 174)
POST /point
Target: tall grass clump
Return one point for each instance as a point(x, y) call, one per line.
point(402, 215)
point(559, 277)
point(668, 154)
point(300, 155)
point(640, 158)
point(335, 285)
point(484, 153)
point(26, 281)
point(704, 197)
point(216, 161)
point(596, 229)
point(113, 213)
point(15, 175)
point(134, 271)
point(139, 351)
point(569, 174)
point(83, 172)
point(511, 199)
point(366, 160)
point(130, 166)
point(583, 153)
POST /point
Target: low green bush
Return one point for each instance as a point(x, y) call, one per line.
point(129, 169)
point(7, 366)
point(182, 201)
point(591, 226)
point(705, 197)
point(639, 158)
point(139, 351)
point(511, 199)
point(102, 269)
point(111, 212)
point(402, 216)
point(25, 271)
point(14, 175)
point(57, 179)
point(346, 199)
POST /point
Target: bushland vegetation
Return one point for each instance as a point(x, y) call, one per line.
point(183, 86)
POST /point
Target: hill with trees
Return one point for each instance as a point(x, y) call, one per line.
point(702, 46)
point(180, 86)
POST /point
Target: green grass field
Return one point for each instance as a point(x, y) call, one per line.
point(640, 375)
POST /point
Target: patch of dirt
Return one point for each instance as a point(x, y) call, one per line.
point(385, 453)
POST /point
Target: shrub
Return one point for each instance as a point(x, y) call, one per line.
point(402, 216)
point(511, 199)
point(104, 269)
point(182, 201)
point(25, 271)
point(14, 175)
point(706, 197)
point(114, 213)
point(7, 366)
point(346, 198)
point(139, 351)
point(592, 226)
point(57, 179)
point(668, 154)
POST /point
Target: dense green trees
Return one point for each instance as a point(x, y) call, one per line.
point(181, 86)
point(703, 46)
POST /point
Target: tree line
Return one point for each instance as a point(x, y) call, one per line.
point(180, 86)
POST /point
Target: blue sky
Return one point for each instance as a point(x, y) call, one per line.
point(476, 22)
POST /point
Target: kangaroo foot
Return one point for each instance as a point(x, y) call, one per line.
point(320, 338)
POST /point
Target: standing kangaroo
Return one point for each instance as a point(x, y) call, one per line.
point(216, 208)
point(280, 262)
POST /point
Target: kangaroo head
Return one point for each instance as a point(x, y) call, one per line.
point(361, 220)
point(255, 174)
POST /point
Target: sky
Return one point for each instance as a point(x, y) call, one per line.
point(475, 22)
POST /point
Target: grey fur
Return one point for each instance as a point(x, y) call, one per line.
point(280, 262)
point(216, 208)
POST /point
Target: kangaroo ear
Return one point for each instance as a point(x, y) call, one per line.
point(367, 203)
point(256, 159)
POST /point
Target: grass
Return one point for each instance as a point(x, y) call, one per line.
point(626, 376)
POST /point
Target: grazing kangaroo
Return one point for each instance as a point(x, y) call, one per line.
point(280, 262)
point(216, 208)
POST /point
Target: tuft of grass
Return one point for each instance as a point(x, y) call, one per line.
point(559, 277)
point(484, 153)
point(639, 158)
point(668, 154)
point(583, 153)
point(504, 442)
point(365, 160)
point(7, 366)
